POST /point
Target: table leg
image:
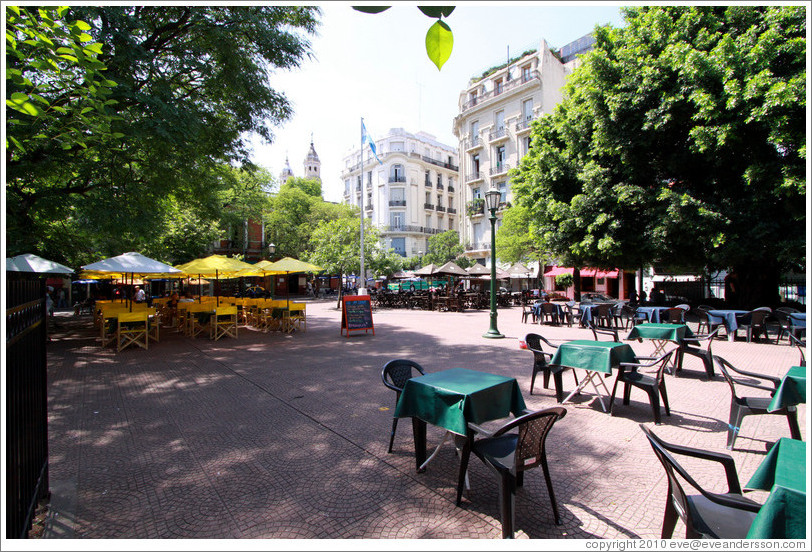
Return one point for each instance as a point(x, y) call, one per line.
point(419, 431)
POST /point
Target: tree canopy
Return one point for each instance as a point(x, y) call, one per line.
point(131, 114)
point(680, 141)
point(446, 247)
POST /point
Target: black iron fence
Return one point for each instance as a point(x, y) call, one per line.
point(711, 291)
point(26, 403)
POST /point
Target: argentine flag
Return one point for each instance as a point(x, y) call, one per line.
point(365, 139)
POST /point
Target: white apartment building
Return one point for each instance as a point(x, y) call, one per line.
point(412, 195)
point(493, 127)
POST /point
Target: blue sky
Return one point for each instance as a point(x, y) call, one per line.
point(375, 67)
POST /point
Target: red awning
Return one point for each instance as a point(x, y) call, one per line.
point(607, 273)
point(587, 272)
point(557, 271)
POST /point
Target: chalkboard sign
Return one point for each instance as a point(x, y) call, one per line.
point(356, 314)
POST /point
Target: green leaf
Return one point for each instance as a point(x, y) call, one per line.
point(24, 106)
point(82, 25)
point(439, 43)
point(371, 9)
point(436, 11)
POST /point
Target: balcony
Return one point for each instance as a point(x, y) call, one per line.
point(439, 163)
point(440, 187)
point(410, 228)
point(500, 168)
point(368, 207)
point(474, 143)
point(474, 176)
point(450, 189)
point(429, 206)
point(510, 85)
point(498, 135)
point(482, 246)
point(440, 209)
point(523, 126)
point(397, 178)
point(397, 203)
point(428, 183)
point(475, 207)
point(452, 211)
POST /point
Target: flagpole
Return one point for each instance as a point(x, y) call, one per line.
point(363, 289)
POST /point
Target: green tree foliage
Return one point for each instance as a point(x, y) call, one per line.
point(681, 141)
point(337, 248)
point(514, 240)
point(182, 88)
point(295, 212)
point(444, 247)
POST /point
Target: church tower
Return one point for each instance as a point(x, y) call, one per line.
point(312, 165)
point(287, 172)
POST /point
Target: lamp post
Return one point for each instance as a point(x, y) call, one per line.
point(492, 197)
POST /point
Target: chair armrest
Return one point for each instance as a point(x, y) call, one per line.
point(479, 430)
point(725, 460)
point(772, 379)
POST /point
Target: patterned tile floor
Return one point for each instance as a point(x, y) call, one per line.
point(274, 436)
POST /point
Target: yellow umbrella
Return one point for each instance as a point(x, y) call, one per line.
point(289, 264)
point(214, 265)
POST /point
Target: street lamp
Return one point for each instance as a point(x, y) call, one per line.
point(271, 250)
point(492, 197)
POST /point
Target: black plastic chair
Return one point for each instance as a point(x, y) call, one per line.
point(395, 374)
point(605, 315)
point(541, 364)
point(675, 315)
point(704, 320)
point(653, 384)
point(755, 323)
point(527, 312)
point(700, 346)
point(509, 455)
point(705, 515)
point(596, 332)
point(801, 344)
point(549, 313)
point(785, 325)
point(746, 406)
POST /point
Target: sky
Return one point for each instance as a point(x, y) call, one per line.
point(375, 67)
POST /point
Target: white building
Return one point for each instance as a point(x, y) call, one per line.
point(493, 127)
point(412, 195)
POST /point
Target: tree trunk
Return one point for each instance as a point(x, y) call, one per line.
point(757, 286)
point(340, 289)
point(576, 282)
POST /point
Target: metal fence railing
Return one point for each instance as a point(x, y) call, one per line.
point(26, 403)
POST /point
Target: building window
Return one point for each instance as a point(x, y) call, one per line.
point(502, 186)
point(500, 156)
point(476, 193)
point(475, 164)
point(526, 144)
point(500, 120)
point(527, 109)
point(439, 180)
point(428, 178)
point(395, 219)
point(369, 179)
point(347, 187)
point(399, 245)
point(474, 130)
point(397, 174)
point(498, 87)
point(398, 194)
point(472, 97)
point(397, 146)
point(525, 73)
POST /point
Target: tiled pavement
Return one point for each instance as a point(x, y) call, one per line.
point(285, 436)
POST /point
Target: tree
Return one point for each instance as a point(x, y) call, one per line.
point(514, 240)
point(681, 140)
point(191, 87)
point(337, 247)
point(444, 247)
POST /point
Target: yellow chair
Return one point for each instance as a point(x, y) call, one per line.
point(298, 316)
point(224, 322)
point(107, 322)
point(198, 317)
point(154, 326)
point(132, 330)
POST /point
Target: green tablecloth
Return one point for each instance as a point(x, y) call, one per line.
point(671, 332)
point(792, 390)
point(598, 356)
point(453, 398)
point(783, 473)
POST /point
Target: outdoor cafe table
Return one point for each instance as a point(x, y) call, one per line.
point(798, 321)
point(596, 357)
point(652, 314)
point(660, 334)
point(791, 391)
point(452, 399)
point(783, 474)
point(728, 318)
point(587, 314)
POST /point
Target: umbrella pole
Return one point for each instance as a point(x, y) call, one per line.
point(217, 290)
point(199, 289)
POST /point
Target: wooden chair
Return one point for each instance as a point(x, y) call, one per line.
point(298, 316)
point(153, 325)
point(132, 329)
point(223, 322)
